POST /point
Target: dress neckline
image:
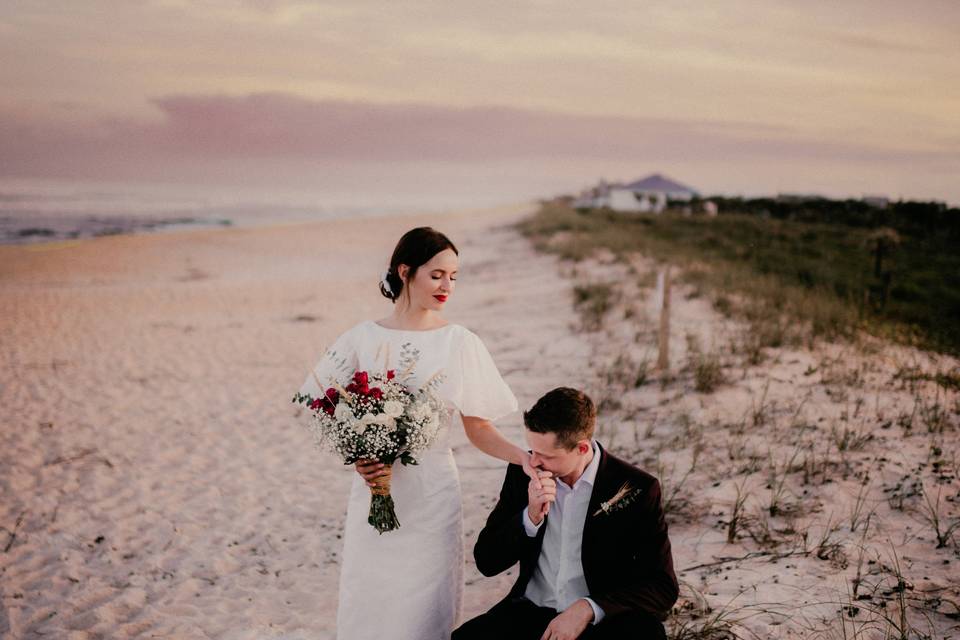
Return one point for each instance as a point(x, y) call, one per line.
point(377, 324)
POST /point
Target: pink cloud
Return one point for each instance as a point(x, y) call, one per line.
point(243, 134)
point(280, 125)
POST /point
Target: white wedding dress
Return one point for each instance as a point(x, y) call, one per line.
point(407, 584)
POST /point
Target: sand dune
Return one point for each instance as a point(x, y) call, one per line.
point(836, 449)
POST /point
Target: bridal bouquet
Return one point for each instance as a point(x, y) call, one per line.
point(376, 416)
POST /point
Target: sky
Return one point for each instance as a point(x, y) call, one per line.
point(517, 98)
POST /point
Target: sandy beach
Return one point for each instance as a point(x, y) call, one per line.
point(156, 483)
point(155, 480)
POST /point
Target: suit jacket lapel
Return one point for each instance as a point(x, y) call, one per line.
point(603, 489)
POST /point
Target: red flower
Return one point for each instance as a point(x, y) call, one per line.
point(316, 404)
point(361, 389)
point(328, 406)
point(360, 377)
point(390, 374)
point(333, 395)
point(376, 393)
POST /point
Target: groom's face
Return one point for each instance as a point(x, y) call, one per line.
point(546, 454)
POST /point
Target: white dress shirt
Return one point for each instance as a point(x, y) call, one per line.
point(557, 581)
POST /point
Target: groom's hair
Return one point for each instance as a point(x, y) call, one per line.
point(568, 413)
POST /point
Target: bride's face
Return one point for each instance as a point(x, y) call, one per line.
point(433, 283)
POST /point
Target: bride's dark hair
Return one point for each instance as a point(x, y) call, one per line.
point(414, 249)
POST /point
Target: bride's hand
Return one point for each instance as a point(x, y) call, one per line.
point(370, 469)
point(534, 474)
point(531, 470)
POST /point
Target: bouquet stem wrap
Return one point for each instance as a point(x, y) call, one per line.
point(382, 515)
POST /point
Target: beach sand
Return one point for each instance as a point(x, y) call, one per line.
point(156, 481)
point(155, 478)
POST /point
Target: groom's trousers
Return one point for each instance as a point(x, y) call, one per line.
point(520, 619)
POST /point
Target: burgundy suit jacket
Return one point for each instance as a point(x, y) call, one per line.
point(626, 555)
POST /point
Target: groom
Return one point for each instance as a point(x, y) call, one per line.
point(591, 540)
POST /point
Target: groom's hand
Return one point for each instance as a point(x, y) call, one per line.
point(571, 623)
point(540, 497)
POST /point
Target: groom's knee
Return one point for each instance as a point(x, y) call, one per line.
point(478, 628)
point(628, 626)
point(511, 618)
point(471, 630)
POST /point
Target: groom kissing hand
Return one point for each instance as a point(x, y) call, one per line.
point(539, 498)
point(591, 540)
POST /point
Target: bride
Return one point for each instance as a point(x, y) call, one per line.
point(408, 583)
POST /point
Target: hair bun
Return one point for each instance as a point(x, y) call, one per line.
point(387, 288)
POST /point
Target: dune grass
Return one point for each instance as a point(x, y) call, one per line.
point(792, 279)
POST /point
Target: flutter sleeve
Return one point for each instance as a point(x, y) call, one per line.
point(481, 392)
point(338, 363)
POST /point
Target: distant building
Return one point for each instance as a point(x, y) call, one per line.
point(648, 195)
point(596, 197)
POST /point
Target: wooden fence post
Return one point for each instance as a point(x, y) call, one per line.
point(663, 288)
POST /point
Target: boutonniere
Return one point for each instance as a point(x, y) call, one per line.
point(620, 499)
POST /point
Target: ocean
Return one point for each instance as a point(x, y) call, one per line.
point(33, 211)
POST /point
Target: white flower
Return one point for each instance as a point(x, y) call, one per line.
point(386, 421)
point(343, 412)
point(420, 411)
point(392, 409)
